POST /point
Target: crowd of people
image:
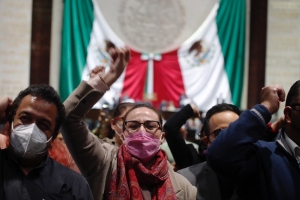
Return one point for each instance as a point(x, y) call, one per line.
point(48, 152)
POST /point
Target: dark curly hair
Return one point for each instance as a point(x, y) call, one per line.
point(293, 95)
point(48, 94)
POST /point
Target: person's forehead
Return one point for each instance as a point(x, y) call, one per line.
point(142, 113)
point(222, 119)
point(37, 107)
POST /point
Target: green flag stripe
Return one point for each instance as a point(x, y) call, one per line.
point(65, 50)
point(89, 17)
point(238, 73)
point(231, 31)
point(78, 30)
point(84, 23)
point(77, 26)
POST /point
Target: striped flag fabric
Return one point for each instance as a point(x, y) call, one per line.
point(207, 68)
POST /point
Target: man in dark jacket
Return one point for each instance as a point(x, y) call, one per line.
point(26, 170)
point(260, 169)
point(210, 186)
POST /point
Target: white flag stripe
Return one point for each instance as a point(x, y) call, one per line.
point(98, 56)
point(202, 29)
point(205, 79)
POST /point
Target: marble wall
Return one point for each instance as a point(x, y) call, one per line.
point(15, 39)
point(283, 44)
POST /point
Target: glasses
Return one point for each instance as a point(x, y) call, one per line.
point(215, 133)
point(134, 126)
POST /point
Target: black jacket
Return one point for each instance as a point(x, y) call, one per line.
point(50, 180)
point(184, 154)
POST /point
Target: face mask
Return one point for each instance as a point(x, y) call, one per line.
point(28, 141)
point(142, 145)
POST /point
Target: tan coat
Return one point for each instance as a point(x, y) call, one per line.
point(95, 159)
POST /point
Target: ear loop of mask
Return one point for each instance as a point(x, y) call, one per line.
point(160, 140)
point(12, 128)
point(121, 128)
point(119, 135)
point(46, 146)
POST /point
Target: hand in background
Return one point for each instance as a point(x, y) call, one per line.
point(271, 96)
point(195, 109)
point(278, 124)
point(4, 140)
point(99, 70)
point(5, 106)
point(120, 58)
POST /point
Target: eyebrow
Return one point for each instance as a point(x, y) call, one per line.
point(142, 122)
point(42, 119)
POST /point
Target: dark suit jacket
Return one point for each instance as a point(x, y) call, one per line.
point(208, 183)
point(184, 154)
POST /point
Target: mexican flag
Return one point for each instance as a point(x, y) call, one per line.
point(207, 68)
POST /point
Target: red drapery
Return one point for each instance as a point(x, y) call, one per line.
point(168, 82)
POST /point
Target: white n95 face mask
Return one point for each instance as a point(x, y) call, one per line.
point(28, 141)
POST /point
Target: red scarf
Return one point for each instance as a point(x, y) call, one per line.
point(124, 183)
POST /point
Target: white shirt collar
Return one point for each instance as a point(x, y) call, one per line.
point(293, 147)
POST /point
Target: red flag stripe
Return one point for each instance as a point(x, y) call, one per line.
point(168, 82)
point(135, 75)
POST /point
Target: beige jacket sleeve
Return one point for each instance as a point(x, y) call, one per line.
point(95, 160)
point(182, 187)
